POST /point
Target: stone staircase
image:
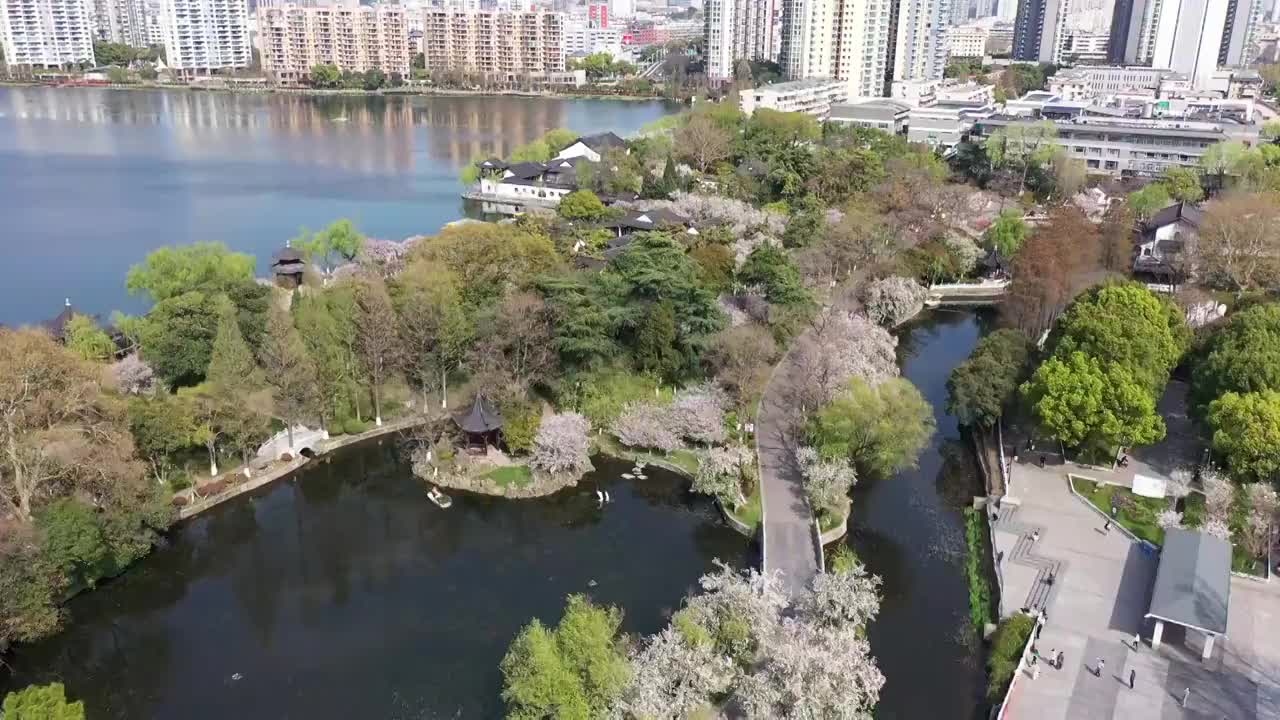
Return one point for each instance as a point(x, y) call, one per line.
point(1048, 572)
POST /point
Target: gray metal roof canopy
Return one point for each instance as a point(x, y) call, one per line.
point(1193, 582)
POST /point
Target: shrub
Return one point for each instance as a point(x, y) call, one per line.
point(605, 393)
point(522, 420)
point(1006, 651)
point(354, 427)
point(980, 610)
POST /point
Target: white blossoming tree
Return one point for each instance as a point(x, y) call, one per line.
point(1219, 494)
point(839, 599)
point(720, 475)
point(965, 251)
point(672, 678)
point(1217, 528)
point(645, 425)
point(826, 482)
point(813, 672)
point(1169, 519)
point(837, 347)
point(561, 445)
point(133, 375)
point(1263, 503)
point(893, 300)
point(697, 414)
point(737, 611)
point(750, 225)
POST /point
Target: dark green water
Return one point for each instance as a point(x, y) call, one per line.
point(344, 593)
point(92, 179)
point(909, 529)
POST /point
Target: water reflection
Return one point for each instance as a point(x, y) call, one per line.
point(346, 593)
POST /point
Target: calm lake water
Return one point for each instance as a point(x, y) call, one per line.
point(909, 530)
point(344, 593)
point(91, 180)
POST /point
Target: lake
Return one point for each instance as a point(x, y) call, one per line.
point(91, 180)
point(344, 593)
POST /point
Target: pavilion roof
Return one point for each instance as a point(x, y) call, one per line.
point(1193, 582)
point(483, 417)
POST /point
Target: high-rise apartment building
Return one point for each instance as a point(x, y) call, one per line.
point(294, 38)
point(737, 30)
point(201, 36)
point(121, 21)
point(849, 40)
point(1240, 38)
point(494, 42)
point(1035, 19)
point(921, 46)
point(46, 33)
point(1190, 37)
point(1063, 31)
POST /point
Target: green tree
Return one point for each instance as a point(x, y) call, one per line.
point(326, 76)
point(374, 79)
point(981, 387)
point(207, 267)
point(655, 343)
point(434, 328)
point(807, 223)
point(289, 371)
point(1128, 325)
point(41, 702)
point(1023, 147)
point(1246, 432)
point(86, 339)
point(582, 205)
point(880, 428)
point(771, 269)
point(326, 320)
point(340, 241)
point(1076, 399)
point(1007, 232)
point(111, 53)
point(163, 426)
point(72, 541)
point(177, 337)
point(574, 672)
point(1183, 184)
point(1242, 356)
point(232, 369)
point(1148, 200)
point(585, 315)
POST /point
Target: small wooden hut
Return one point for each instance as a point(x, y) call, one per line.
point(481, 425)
point(288, 266)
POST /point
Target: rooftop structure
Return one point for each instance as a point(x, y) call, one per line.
point(593, 147)
point(887, 115)
point(481, 424)
point(1193, 585)
point(814, 96)
point(945, 124)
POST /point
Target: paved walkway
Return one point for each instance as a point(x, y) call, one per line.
point(789, 546)
point(1100, 591)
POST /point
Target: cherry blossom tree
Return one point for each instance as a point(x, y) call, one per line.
point(561, 445)
point(750, 225)
point(697, 414)
point(672, 678)
point(1169, 519)
point(739, 611)
point(837, 347)
point(1217, 528)
point(826, 482)
point(1219, 494)
point(813, 672)
point(1263, 503)
point(133, 375)
point(645, 425)
point(720, 475)
point(384, 258)
point(965, 251)
point(847, 598)
point(893, 300)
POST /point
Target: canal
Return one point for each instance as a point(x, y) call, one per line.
point(91, 180)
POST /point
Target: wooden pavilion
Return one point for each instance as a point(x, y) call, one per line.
point(481, 425)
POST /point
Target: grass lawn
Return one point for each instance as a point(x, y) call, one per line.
point(749, 513)
point(1139, 518)
point(686, 460)
point(518, 475)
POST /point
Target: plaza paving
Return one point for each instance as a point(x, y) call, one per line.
point(1100, 590)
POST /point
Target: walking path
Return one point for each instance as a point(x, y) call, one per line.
point(789, 544)
point(1100, 592)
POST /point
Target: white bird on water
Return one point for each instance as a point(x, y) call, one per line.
point(599, 499)
point(606, 497)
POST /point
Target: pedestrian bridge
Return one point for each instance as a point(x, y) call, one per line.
point(306, 441)
point(987, 292)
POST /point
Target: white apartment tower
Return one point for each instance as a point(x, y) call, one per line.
point(121, 21)
point(46, 33)
point(201, 36)
point(921, 46)
point(1190, 37)
point(294, 38)
point(842, 39)
point(737, 30)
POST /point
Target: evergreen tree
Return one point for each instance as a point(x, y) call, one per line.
point(231, 364)
point(289, 371)
point(655, 346)
point(670, 181)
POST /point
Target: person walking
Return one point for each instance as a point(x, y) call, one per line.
point(1101, 664)
point(1137, 642)
point(1132, 675)
point(1061, 657)
point(1041, 461)
point(1106, 529)
point(1186, 695)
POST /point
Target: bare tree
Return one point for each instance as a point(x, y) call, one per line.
point(379, 344)
point(702, 143)
point(1240, 239)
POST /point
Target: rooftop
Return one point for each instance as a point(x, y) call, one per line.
point(1193, 582)
point(875, 109)
point(798, 85)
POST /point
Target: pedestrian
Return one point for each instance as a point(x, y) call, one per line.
point(1042, 461)
point(1101, 664)
point(1106, 528)
point(1114, 510)
point(1186, 695)
point(1061, 657)
point(1049, 579)
point(1052, 654)
point(1137, 641)
point(1132, 675)
point(1035, 536)
point(1035, 672)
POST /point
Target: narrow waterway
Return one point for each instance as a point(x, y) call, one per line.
point(343, 593)
point(909, 530)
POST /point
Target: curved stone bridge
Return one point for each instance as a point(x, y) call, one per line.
point(306, 441)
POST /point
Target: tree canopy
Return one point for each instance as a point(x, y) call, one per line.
point(1078, 398)
point(1246, 433)
point(879, 428)
point(979, 388)
point(1242, 356)
point(174, 270)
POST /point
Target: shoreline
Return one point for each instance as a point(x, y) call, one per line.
point(346, 92)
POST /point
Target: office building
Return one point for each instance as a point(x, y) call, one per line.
point(507, 43)
point(581, 38)
point(121, 21)
point(921, 46)
point(293, 39)
point(1190, 37)
point(946, 124)
point(201, 36)
point(737, 30)
point(814, 96)
point(847, 40)
point(1129, 146)
point(885, 115)
point(46, 33)
point(1086, 82)
point(978, 38)
point(598, 15)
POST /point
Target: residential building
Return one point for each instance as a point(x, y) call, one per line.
point(493, 42)
point(293, 39)
point(1165, 238)
point(945, 124)
point(1190, 37)
point(201, 36)
point(922, 93)
point(964, 11)
point(847, 40)
point(967, 41)
point(593, 147)
point(814, 96)
point(921, 45)
point(622, 8)
point(1085, 82)
point(598, 15)
point(736, 30)
point(581, 38)
point(121, 21)
point(1128, 146)
point(1036, 20)
point(46, 33)
point(887, 115)
point(1063, 31)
